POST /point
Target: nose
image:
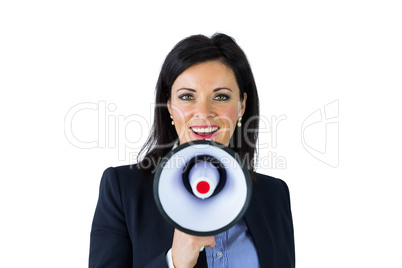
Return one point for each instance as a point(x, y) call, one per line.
point(204, 110)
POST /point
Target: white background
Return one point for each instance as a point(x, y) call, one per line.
point(304, 54)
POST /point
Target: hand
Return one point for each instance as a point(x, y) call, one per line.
point(186, 248)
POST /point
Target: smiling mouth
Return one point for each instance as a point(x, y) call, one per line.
point(204, 131)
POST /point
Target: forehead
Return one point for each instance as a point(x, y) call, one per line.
point(203, 75)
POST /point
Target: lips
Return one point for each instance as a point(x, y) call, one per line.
point(204, 132)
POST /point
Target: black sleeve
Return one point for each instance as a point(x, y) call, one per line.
point(290, 231)
point(158, 262)
point(110, 244)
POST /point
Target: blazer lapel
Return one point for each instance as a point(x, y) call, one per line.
point(260, 233)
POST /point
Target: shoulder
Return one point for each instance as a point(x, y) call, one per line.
point(271, 188)
point(268, 181)
point(123, 173)
point(125, 180)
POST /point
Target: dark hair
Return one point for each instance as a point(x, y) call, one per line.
point(188, 52)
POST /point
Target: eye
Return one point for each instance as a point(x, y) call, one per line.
point(222, 97)
point(186, 96)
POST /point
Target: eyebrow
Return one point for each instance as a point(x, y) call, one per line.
point(193, 90)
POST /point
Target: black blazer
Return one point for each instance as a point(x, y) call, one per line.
point(129, 231)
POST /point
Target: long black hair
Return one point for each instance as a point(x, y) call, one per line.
point(188, 52)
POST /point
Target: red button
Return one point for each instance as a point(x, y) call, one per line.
point(203, 187)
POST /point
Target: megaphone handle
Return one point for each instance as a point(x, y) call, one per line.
point(202, 248)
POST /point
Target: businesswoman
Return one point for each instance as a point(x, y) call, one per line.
point(205, 90)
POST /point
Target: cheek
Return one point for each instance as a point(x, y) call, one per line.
point(230, 114)
point(182, 115)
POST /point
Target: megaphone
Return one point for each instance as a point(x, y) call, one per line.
point(201, 188)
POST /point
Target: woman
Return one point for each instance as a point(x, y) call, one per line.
point(205, 90)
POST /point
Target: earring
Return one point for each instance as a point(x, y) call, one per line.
point(172, 119)
point(239, 122)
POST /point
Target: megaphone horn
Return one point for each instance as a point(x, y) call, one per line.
point(201, 188)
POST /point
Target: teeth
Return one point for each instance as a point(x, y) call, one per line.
point(204, 130)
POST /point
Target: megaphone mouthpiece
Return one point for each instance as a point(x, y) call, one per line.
point(204, 176)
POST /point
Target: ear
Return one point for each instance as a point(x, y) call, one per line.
point(243, 104)
point(169, 106)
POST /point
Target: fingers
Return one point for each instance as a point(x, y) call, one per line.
point(209, 242)
point(186, 248)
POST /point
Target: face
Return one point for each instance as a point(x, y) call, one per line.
point(205, 103)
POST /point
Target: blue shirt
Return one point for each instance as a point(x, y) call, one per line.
point(233, 248)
